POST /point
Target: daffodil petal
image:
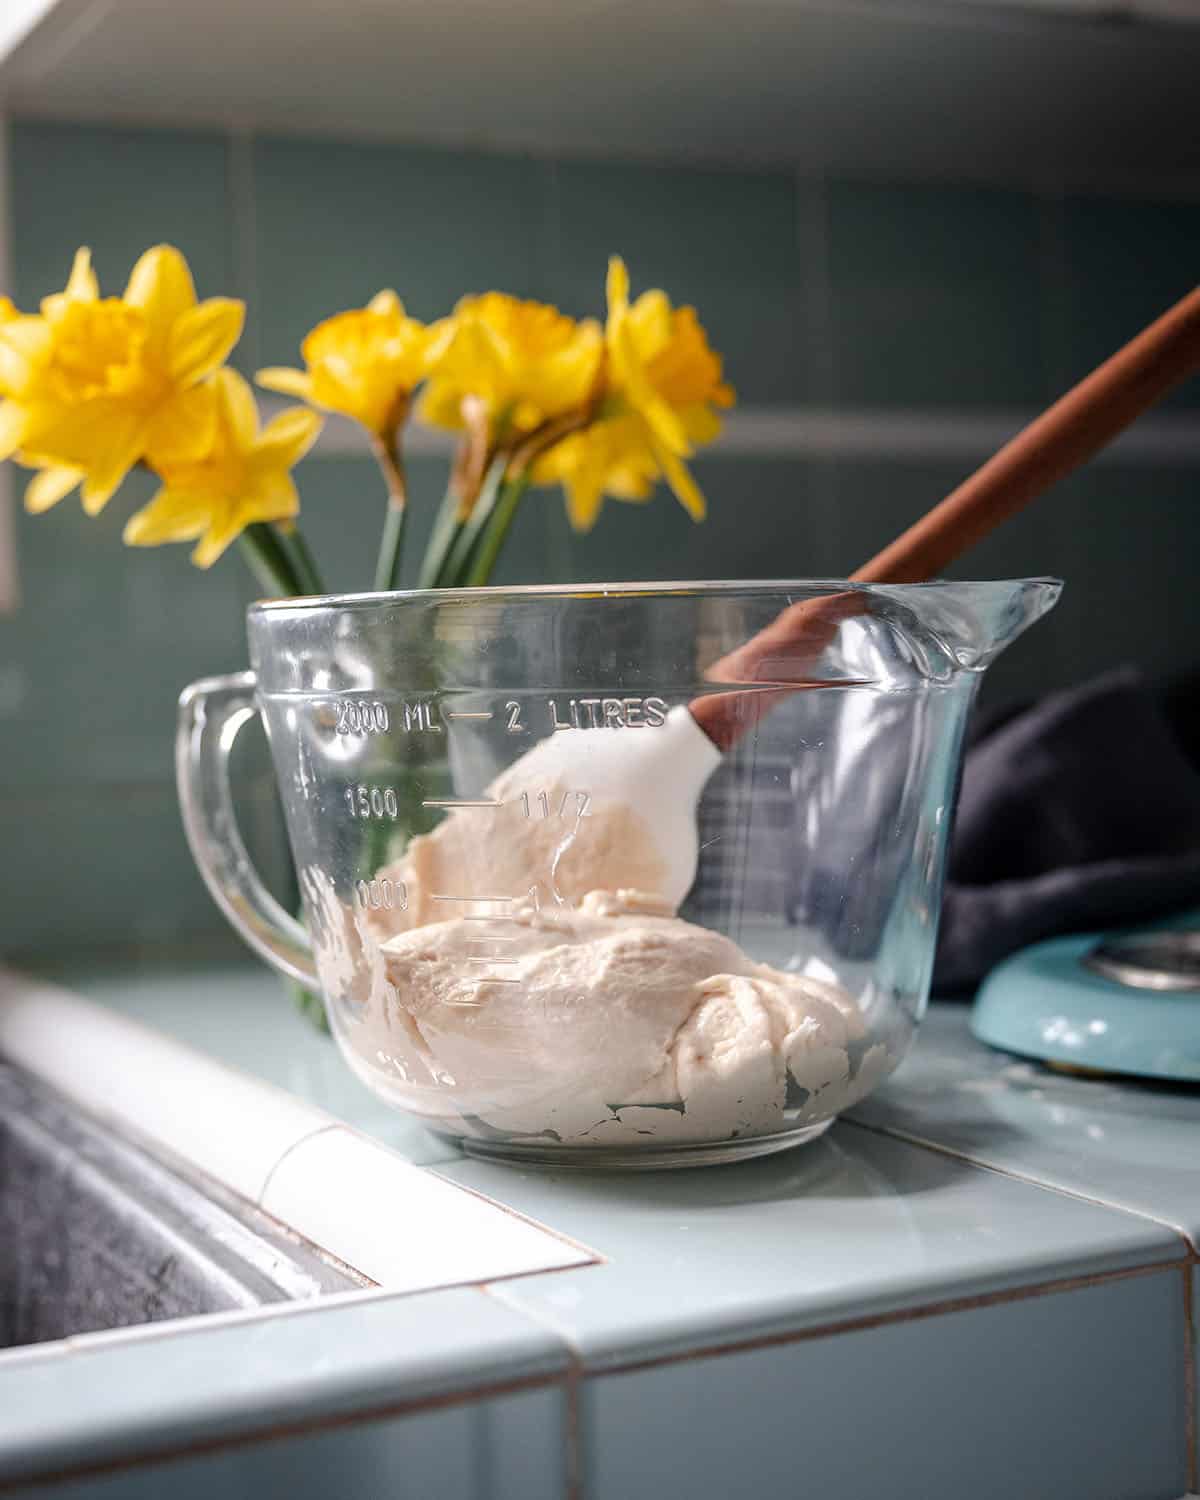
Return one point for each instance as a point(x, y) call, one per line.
point(161, 286)
point(214, 542)
point(172, 516)
point(123, 445)
point(280, 378)
point(182, 428)
point(238, 407)
point(13, 425)
point(617, 285)
point(441, 336)
point(82, 285)
point(441, 406)
point(386, 302)
point(273, 498)
point(663, 422)
point(202, 337)
point(288, 437)
point(48, 487)
point(701, 424)
point(584, 494)
point(24, 344)
point(685, 488)
point(650, 318)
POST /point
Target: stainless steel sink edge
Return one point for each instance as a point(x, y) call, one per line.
point(97, 1232)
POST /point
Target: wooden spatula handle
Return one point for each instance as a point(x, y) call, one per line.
point(1063, 437)
point(1078, 425)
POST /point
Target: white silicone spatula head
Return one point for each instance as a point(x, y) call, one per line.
point(657, 771)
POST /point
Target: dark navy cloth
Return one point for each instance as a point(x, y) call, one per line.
point(1077, 813)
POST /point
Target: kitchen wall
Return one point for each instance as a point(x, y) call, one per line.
point(881, 336)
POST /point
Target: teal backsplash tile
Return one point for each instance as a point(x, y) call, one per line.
point(934, 296)
point(767, 518)
point(1131, 595)
point(725, 241)
point(104, 640)
point(1125, 261)
point(1077, 1396)
point(110, 867)
point(335, 222)
point(119, 191)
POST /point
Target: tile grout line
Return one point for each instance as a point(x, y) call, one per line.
point(1191, 1253)
point(575, 1374)
point(948, 1307)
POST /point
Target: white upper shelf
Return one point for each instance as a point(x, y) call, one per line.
point(1060, 90)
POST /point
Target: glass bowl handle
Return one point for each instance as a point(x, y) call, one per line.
point(211, 713)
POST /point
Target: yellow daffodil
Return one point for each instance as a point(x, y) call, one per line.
point(662, 383)
point(95, 384)
point(608, 458)
point(365, 364)
point(245, 477)
point(525, 363)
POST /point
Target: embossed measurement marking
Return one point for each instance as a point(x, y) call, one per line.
point(461, 802)
point(433, 896)
point(491, 960)
point(552, 714)
point(582, 803)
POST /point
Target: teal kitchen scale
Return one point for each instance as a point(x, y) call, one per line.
point(1125, 1003)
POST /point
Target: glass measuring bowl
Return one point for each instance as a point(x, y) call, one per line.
point(548, 914)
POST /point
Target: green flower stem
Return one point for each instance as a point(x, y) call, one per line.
point(303, 561)
point(268, 561)
point(386, 448)
point(495, 530)
point(391, 547)
point(445, 530)
point(455, 571)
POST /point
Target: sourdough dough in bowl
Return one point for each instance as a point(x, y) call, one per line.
point(583, 1010)
point(616, 1020)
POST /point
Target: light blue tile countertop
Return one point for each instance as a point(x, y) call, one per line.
point(984, 1284)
